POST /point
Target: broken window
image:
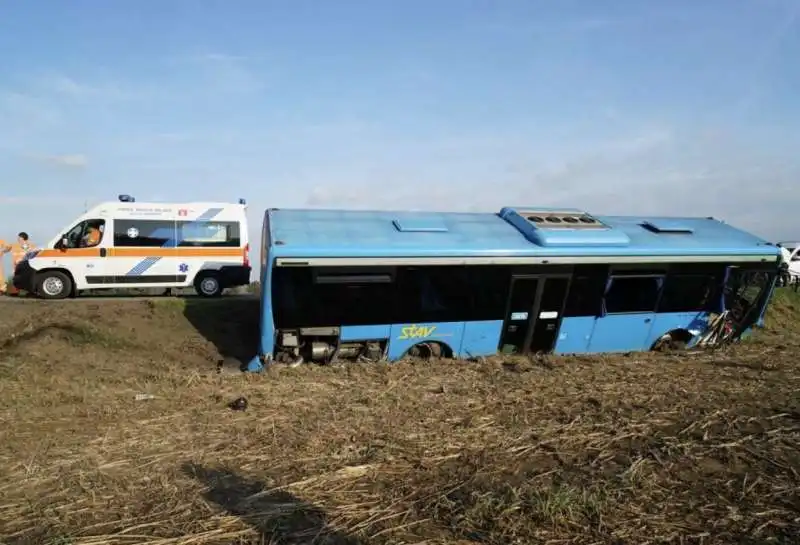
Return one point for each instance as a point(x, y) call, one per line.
point(744, 290)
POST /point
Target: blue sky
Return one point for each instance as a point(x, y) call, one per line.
point(632, 107)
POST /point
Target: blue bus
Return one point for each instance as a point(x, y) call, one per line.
point(349, 284)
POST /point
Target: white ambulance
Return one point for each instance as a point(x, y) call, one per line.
point(790, 253)
point(126, 244)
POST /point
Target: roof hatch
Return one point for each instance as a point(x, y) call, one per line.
point(420, 225)
point(667, 226)
point(563, 228)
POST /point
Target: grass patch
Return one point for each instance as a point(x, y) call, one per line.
point(783, 316)
point(76, 335)
point(699, 447)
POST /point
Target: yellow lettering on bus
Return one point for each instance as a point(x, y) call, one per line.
point(414, 331)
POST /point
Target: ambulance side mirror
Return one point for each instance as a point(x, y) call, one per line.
point(62, 244)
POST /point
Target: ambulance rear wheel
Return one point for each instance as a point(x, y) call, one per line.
point(53, 285)
point(208, 285)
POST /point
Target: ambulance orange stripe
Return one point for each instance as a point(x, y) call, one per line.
point(72, 252)
point(144, 252)
point(175, 252)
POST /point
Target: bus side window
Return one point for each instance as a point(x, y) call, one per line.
point(451, 293)
point(423, 295)
point(488, 286)
point(300, 300)
point(632, 294)
point(585, 296)
point(689, 293)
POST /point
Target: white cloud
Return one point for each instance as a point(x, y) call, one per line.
point(76, 161)
point(96, 89)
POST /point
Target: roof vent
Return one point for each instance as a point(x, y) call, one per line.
point(667, 226)
point(563, 228)
point(420, 225)
point(561, 220)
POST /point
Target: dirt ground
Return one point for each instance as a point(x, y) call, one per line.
point(676, 448)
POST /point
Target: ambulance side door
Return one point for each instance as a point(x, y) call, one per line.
point(144, 252)
point(87, 264)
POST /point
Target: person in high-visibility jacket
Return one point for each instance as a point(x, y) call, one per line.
point(92, 237)
point(2, 267)
point(18, 251)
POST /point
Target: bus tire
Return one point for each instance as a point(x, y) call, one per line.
point(208, 285)
point(53, 285)
point(429, 351)
point(674, 341)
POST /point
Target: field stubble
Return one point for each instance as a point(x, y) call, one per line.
point(675, 448)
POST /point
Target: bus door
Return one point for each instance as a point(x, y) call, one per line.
point(548, 314)
point(628, 310)
point(533, 314)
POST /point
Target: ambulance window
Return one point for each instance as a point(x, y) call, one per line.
point(144, 233)
point(74, 235)
point(210, 233)
point(86, 234)
point(92, 233)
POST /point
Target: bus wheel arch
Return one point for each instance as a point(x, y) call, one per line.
point(430, 350)
point(54, 284)
point(674, 340)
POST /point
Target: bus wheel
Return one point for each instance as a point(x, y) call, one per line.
point(53, 285)
point(207, 285)
point(672, 341)
point(429, 351)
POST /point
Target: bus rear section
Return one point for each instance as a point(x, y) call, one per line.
point(342, 306)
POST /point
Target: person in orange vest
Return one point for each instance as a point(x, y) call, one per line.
point(2, 267)
point(92, 237)
point(18, 251)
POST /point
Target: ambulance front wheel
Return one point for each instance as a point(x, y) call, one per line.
point(53, 285)
point(208, 285)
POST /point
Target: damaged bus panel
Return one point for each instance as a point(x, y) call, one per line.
point(349, 285)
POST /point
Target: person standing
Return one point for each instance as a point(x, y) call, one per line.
point(2, 267)
point(18, 251)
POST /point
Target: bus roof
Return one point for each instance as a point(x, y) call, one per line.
point(512, 233)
